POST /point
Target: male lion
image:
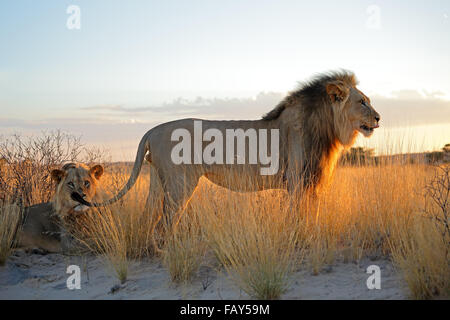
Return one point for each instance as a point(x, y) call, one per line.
point(315, 123)
point(43, 225)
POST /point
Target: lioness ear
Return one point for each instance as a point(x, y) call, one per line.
point(96, 171)
point(57, 175)
point(337, 91)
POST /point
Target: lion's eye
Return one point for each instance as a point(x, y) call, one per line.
point(87, 184)
point(71, 185)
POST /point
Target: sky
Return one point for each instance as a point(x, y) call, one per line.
point(132, 65)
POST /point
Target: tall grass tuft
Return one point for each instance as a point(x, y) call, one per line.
point(422, 249)
point(123, 231)
point(423, 259)
point(184, 248)
point(255, 238)
point(10, 216)
point(103, 233)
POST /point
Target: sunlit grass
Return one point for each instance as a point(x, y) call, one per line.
point(261, 239)
point(184, 248)
point(255, 237)
point(10, 215)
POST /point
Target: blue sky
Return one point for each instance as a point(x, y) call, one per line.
point(141, 55)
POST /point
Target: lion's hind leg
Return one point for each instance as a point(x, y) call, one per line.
point(178, 190)
point(154, 203)
point(154, 208)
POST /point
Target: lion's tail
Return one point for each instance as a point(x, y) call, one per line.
point(140, 156)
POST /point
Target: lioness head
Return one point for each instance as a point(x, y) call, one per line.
point(355, 112)
point(75, 178)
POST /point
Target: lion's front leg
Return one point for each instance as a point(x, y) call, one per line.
point(302, 196)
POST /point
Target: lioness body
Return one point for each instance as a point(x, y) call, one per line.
point(44, 225)
point(40, 228)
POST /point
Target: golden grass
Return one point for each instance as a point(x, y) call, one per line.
point(184, 248)
point(104, 234)
point(260, 239)
point(123, 231)
point(421, 247)
point(137, 222)
point(423, 256)
point(10, 216)
point(254, 236)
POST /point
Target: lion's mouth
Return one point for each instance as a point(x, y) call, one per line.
point(367, 128)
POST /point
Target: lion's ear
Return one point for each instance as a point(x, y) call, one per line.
point(337, 91)
point(96, 171)
point(57, 175)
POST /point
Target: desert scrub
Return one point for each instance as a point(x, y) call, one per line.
point(138, 219)
point(123, 231)
point(184, 248)
point(102, 232)
point(255, 238)
point(423, 259)
point(10, 216)
point(422, 246)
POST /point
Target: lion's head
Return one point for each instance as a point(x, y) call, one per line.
point(324, 116)
point(75, 178)
point(330, 104)
point(353, 110)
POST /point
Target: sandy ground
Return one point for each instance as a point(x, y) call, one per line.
point(34, 276)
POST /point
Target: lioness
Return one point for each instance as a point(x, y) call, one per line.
point(315, 123)
point(43, 225)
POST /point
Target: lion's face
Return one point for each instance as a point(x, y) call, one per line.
point(354, 113)
point(75, 178)
point(360, 113)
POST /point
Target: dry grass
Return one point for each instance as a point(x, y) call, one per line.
point(123, 231)
point(255, 237)
point(423, 258)
point(184, 248)
point(371, 211)
point(104, 234)
point(10, 215)
point(422, 246)
point(259, 239)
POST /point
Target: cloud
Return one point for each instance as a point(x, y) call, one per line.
point(405, 107)
point(219, 108)
point(114, 125)
point(115, 108)
point(104, 107)
point(410, 108)
point(407, 95)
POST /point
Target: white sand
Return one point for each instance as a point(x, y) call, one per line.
point(33, 276)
